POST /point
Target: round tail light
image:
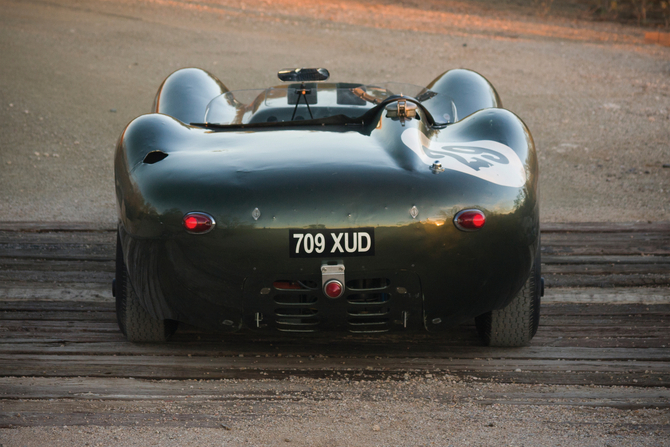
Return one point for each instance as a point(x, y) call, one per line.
point(470, 220)
point(198, 223)
point(333, 289)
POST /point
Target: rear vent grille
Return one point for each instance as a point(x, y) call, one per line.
point(368, 284)
point(297, 324)
point(296, 312)
point(367, 325)
point(295, 309)
point(369, 305)
point(368, 319)
point(296, 319)
point(295, 299)
point(369, 312)
point(365, 299)
point(287, 284)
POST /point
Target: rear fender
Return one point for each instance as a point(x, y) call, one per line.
point(185, 94)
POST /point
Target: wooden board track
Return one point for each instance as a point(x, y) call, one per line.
point(57, 321)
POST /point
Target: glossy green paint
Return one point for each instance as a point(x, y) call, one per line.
point(320, 177)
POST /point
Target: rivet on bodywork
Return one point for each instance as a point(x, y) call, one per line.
point(227, 322)
point(265, 291)
point(401, 290)
point(256, 213)
point(414, 211)
point(437, 320)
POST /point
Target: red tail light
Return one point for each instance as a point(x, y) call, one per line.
point(198, 223)
point(333, 289)
point(470, 220)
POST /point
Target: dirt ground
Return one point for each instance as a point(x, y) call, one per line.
point(428, 410)
point(595, 96)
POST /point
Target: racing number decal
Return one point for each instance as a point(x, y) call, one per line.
point(327, 243)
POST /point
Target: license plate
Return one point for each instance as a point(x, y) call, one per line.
point(331, 243)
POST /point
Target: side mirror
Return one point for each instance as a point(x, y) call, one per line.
point(303, 74)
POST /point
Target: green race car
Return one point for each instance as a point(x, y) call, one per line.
point(315, 207)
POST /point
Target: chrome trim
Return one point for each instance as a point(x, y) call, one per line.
point(332, 273)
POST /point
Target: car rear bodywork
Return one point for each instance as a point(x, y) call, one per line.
point(382, 195)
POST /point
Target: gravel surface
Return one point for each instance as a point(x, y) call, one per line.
point(437, 410)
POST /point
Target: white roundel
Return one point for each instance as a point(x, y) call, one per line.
point(485, 159)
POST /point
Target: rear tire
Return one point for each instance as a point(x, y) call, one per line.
point(517, 323)
point(134, 321)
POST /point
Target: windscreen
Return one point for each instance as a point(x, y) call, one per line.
point(312, 101)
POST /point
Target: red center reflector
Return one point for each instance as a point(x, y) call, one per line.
point(191, 222)
point(469, 220)
point(333, 288)
point(198, 222)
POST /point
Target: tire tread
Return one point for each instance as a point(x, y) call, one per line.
point(134, 321)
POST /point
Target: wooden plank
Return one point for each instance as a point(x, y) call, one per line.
point(604, 227)
point(598, 259)
point(638, 342)
point(596, 295)
point(182, 366)
point(36, 227)
point(55, 277)
point(307, 351)
point(40, 265)
point(40, 316)
point(64, 292)
point(201, 413)
point(661, 269)
point(58, 237)
point(66, 414)
point(89, 252)
point(21, 394)
point(612, 244)
point(604, 309)
point(518, 370)
point(58, 305)
point(607, 280)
